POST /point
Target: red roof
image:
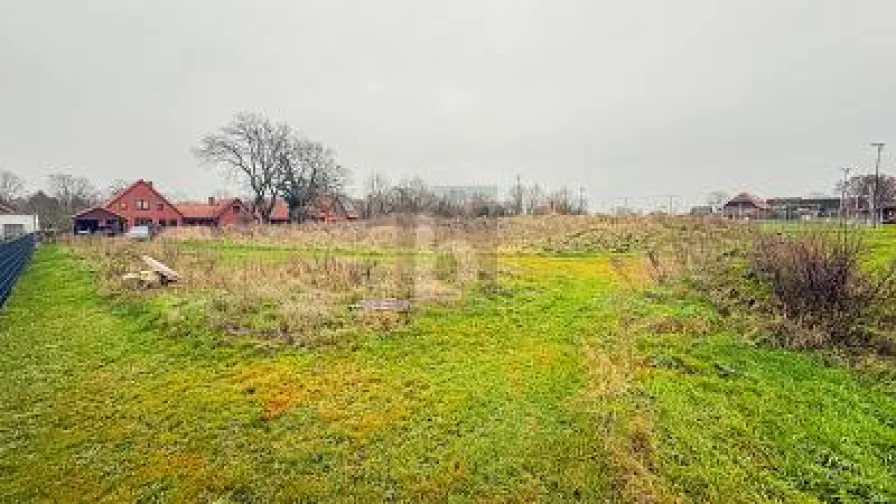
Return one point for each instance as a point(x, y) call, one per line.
point(748, 199)
point(318, 207)
point(100, 209)
point(205, 210)
point(127, 189)
point(280, 211)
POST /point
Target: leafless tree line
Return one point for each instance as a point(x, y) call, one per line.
point(381, 197)
point(272, 161)
point(65, 194)
point(859, 190)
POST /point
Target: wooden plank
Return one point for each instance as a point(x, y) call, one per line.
point(164, 271)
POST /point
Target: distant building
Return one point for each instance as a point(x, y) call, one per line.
point(216, 213)
point(140, 204)
point(702, 210)
point(804, 208)
point(13, 223)
point(745, 206)
point(888, 213)
point(321, 209)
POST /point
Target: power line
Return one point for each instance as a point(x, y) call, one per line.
point(844, 204)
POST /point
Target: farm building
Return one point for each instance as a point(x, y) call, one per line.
point(214, 213)
point(99, 220)
point(745, 206)
point(140, 204)
point(322, 209)
point(804, 208)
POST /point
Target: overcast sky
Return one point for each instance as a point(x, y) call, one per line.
point(626, 98)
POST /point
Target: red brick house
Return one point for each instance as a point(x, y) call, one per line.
point(225, 212)
point(142, 205)
point(322, 209)
point(139, 204)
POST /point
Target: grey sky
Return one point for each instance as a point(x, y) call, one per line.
point(626, 98)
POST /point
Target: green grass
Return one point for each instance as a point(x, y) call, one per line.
point(542, 390)
point(741, 424)
point(879, 243)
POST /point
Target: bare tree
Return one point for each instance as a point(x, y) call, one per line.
point(114, 187)
point(561, 202)
point(378, 200)
point(860, 189)
point(11, 186)
point(535, 199)
point(73, 193)
point(308, 170)
point(47, 209)
point(516, 197)
point(413, 196)
point(253, 149)
point(67, 195)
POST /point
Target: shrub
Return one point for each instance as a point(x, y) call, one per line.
point(817, 285)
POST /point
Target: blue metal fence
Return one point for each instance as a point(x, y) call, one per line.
point(14, 254)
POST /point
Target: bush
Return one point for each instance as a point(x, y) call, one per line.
point(821, 292)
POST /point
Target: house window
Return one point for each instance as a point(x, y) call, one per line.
point(123, 205)
point(160, 206)
point(172, 223)
point(142, 221)
point(236, 209)
point(142, 204)
point(11, 230)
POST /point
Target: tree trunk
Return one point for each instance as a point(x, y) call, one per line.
point(265, 208)
point(297, 211)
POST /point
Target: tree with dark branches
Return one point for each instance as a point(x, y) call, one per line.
point(309, 170)
point(11, 187)
point(253, 150)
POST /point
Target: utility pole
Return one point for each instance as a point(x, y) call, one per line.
point(844, 203)
point(876, 215)
point(582, 209)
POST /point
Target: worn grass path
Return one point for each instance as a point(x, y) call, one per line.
point(565, 385)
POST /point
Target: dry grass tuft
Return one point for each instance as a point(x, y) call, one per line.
point(549, 233)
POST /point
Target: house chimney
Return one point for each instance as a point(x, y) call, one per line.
point(211, 200)
point(149, 183)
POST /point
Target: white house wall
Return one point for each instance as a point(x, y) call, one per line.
point(29, 223)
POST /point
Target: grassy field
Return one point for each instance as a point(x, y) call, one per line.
point(574, 379)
